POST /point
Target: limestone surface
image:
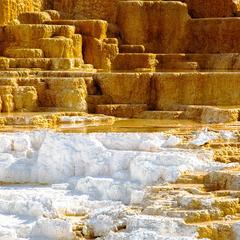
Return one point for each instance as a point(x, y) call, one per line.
point(108, 167)
point(10, 10)
point(158, 156)
point(137, 22)
point(212, 8)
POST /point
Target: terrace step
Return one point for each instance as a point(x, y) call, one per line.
point(91, 27)
point(50, 63)
point(94, 100)
point(131, 49)
point(179, 62)
point(195, 216)
point(205, 61)
point(28, 33)
point(223, 180)
point(224, 229)
point(121, 110)
point(160, 115)
point(200, 89)
point(215, 214)
point(13, 73)
point(66, 73)
point(33, 17)
point(226, 152)
point(23, 53)
point(192, 178)
point(212, 114)
point(135, 61)
point(180, 66)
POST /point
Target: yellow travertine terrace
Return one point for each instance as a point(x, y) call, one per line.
point(77, 67)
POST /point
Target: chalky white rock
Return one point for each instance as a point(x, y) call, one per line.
point(94, 174)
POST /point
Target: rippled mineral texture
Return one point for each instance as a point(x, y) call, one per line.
point(119, 119)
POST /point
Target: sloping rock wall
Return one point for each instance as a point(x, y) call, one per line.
point(158, 25)
point(82, 9)
point(212, 8)
point(10, 9)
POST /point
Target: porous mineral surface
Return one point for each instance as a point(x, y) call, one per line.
point(115, 186)
point(119, 119)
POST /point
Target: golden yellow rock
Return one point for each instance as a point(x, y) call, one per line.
point(216, 115)
point(77, 46)
point(216, 33)
point(99, 53)
point(218, 89)
point(166, 115)
point(34, 17)
point(126, 61)
point(228, 206)
point(63, 83)
point(63, 63)
point(211, 231)
point(8, 104)
point(55, 15)
point(225, 180)
point(8, 82)
point(7, 99)
point(211, 114)
point(25, 98)
point(212, 8)
point(6, 90)
point(2, 33)
point(154, 24)
point(129, 88)
point(4, 63)
point(23, 53)
point(91, 28)
point(1, 103)
point(57, 47)
point(205, 231)
point(121, 110)
point(38, 63)
point(67, 93)
point(28, 34)
point(92, 9)
point(131, 48)
point(10, 9)
point(4, 12)
point(38, 84)
point(72, 99)
point(152, 36)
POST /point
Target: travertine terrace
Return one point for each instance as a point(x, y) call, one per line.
point(120, 119)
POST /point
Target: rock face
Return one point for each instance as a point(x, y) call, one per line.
point(130, 88)
point(198, 89)
point(137, 21)
point(16, 98)
point(218, 35)
point(11, 9)
point(91, 9)
point(124, 48)
point(25, 98)
point(67, 94)
point(212, 8)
